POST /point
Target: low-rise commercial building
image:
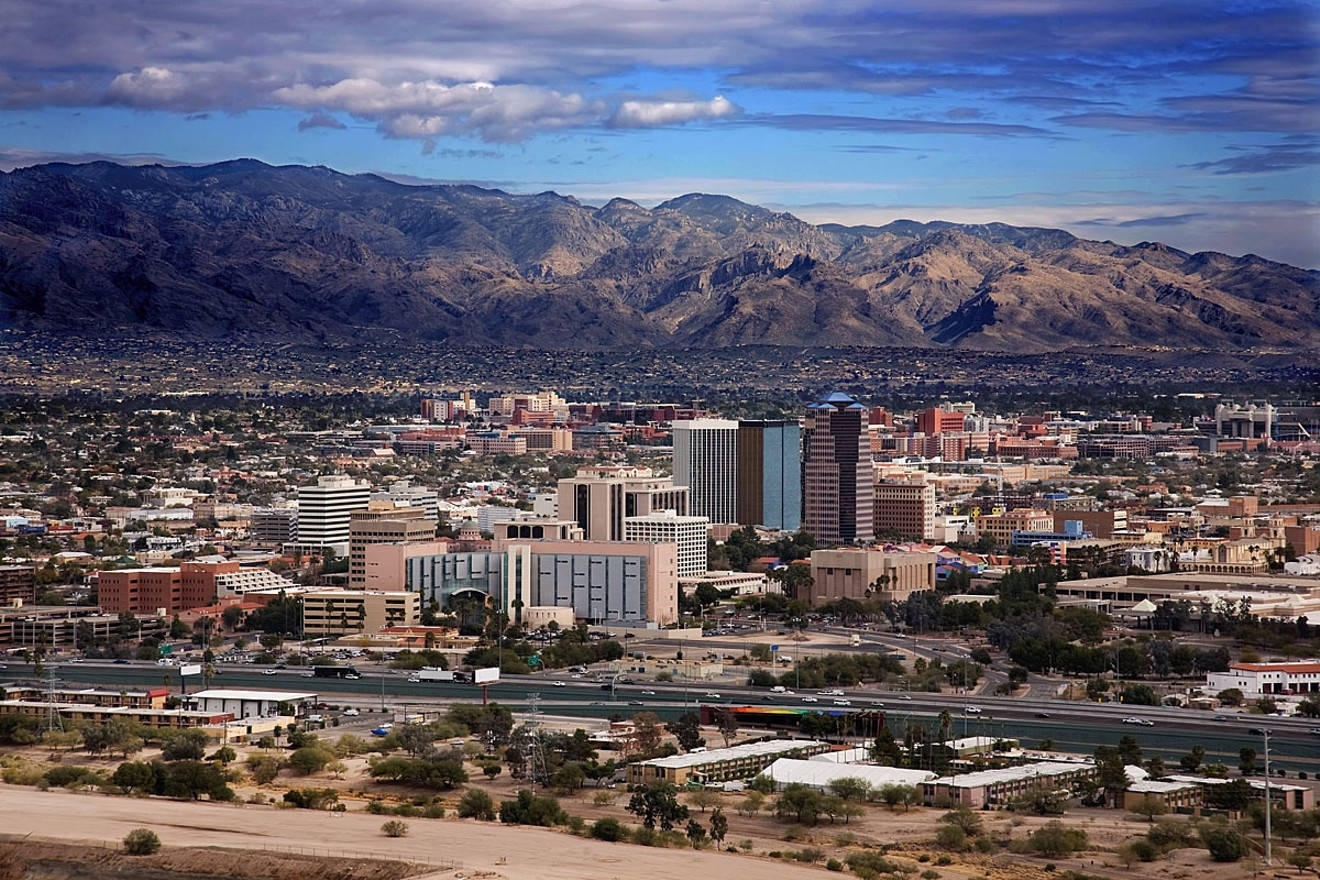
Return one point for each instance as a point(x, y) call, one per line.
point(250, 703)
point(854, 573)
point(339, 612)
point(1267, 679)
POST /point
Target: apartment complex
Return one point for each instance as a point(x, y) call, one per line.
point(722, 765)
point(690, 534)
point(598, 499)
point(147, 590)
point(324, 511)
point(837, 478)
point(705, 460)
point(854, 573)
point(382, 523)
point(769, 474)
point(331, 613)
point(906, 510)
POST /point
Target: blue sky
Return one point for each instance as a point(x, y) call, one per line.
point(1195, 123)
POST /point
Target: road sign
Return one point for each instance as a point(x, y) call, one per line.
point(191, 669)
point(774, 648)
point(166, 650)
point(489, 675)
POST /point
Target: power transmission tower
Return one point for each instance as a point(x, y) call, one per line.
point(52, 710)
point(533, 750)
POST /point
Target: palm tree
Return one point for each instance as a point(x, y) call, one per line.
point(946, 724)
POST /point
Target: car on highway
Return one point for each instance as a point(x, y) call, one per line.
point(835, 692)
point(973, 710)
point(412, 679)
point(905, 696)
point(599, 703)
point(809, 700)
point(713, 696)
point(843, 702)
point(268, 672)
point(636, 703)
point(1143, 722)
point(121, 661)
point(1314, 731)
point(1042, 714)
point(559, 684)
point(1220, 718)
point(648, 693)
point(301, 674)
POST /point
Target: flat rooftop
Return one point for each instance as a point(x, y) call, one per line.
point(277, 696)
point(733, 753)
point(1010, 774)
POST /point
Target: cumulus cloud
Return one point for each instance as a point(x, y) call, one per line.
point(641, 114)
point(427, 110)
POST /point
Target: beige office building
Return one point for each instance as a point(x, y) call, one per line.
point(906, 510)
point(999, 527)
point(600, 498)
point(383, 523)
point(850, 573)
point(342, 612)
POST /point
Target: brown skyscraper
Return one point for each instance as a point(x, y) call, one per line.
point(837, 481)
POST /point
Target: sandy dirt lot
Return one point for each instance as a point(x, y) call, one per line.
point(484, 850)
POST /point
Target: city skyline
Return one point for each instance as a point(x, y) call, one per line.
point(1187, 123)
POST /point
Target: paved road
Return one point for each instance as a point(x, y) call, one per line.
point(1073, 726)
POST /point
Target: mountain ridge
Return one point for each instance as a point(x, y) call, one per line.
point(306, 252)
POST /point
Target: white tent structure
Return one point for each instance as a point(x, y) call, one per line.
point(819, 774)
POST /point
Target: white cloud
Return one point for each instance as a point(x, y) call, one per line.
point(429, 109)
point(148, 87)
point(631, 114)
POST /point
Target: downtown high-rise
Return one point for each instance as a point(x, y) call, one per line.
point(770, 474)
point(837, 478)
point(706, 461)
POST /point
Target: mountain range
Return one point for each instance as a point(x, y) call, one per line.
point(302, 253)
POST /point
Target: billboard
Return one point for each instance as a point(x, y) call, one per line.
point(192, 669)
point(489, 675)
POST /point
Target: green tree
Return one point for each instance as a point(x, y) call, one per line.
point(687, 730)
point(657, 804)
point(719, 827)
point(1150, 807)
point(476, 803)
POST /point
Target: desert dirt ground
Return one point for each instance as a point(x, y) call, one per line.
point(483, 850)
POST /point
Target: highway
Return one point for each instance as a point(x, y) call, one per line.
point(1072, 726)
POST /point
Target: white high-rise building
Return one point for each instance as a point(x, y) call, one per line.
point(404, 494)
point(706, 461)
point(324, 511)
point(690, 533)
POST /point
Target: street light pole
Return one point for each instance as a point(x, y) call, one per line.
point(1269, 800)
point(1264, 732)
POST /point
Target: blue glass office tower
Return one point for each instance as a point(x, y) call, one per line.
point(770, 474)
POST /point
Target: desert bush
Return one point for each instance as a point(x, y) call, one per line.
point(609, 829)
point(394, 828)
point(141, 842)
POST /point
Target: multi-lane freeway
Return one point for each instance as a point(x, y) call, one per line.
point(1080, 727)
